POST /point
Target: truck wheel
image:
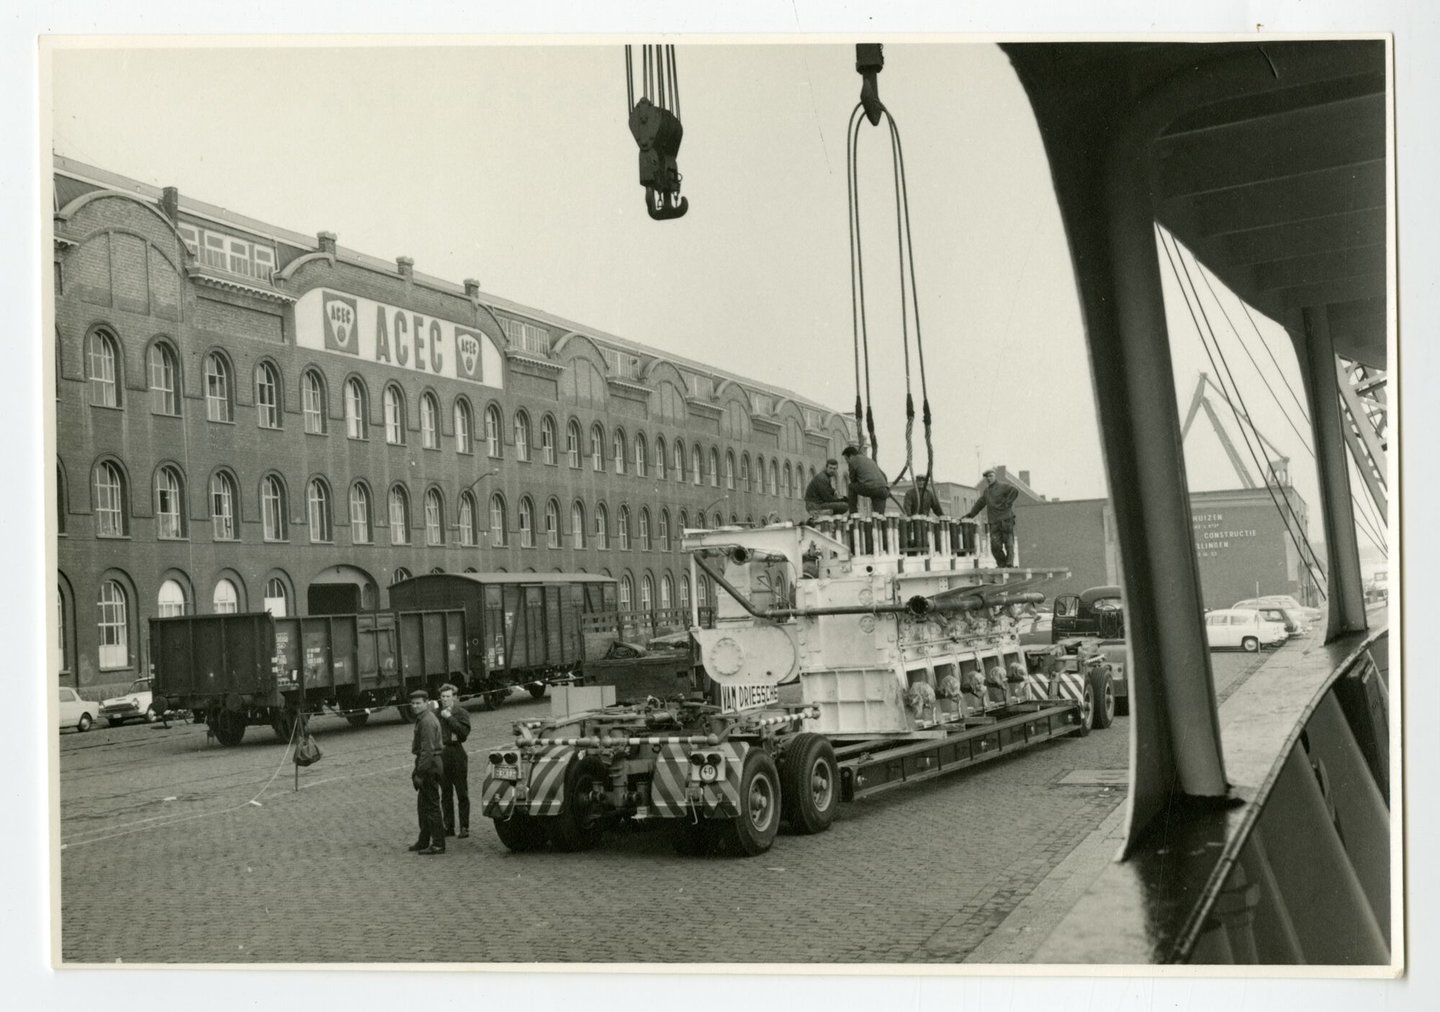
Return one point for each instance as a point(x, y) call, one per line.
point(537, 690)
point(693, 837)
point(1250, 645)
point(579, 824)
point(229, 727)
point(357, 719)
point(521, 832)
point(1087, 708)
point(809, 783)
point(1103, 691)
point(753, 831)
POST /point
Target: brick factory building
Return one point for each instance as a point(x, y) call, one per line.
point(247, 418)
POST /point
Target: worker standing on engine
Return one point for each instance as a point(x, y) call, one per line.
point(921, 499)
point(865, 478)
point(997, 498)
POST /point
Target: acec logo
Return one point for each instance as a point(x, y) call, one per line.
point(469, 349)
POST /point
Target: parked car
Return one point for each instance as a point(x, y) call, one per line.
point(1377, 591)
point(1294, 624)
point(1294, 607)
point(137, 703)
point(1245, 628)
point(74, 711)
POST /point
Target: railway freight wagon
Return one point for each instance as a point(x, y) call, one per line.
point(526, 629)
point(233, 671)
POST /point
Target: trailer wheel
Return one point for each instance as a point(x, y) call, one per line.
point(1087, 707)
point(753, 831)
point(229, 727)
point(1104, 695)
point(809, 782)
point(579, 824)
point(521, 832)
point(693, 837)
point(537, 690)
point(357, 719)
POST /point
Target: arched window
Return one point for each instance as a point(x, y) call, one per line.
point(679, 461)
point(111, 511)
point(640, 455)
point(577, 524)
point(719, 521)
point(355, 408)
point(464, 427)
point(272, 508)
point(434, 518)
point(714, 468)
point(643, 531)
point(399, 515)
point(597, 448)
point(222, 507)
point(522, 436)
point(622, 529)
point(114, 626)
point(317, 497)
point(361, 531)
point(729, 469)
point(695, 476)
point(527, 523)
point(667, 592)
point(468, 531)
point(394, 402)
point(775, 477)
point(497, 521)
point(267, 395)
point(788, 493)
point(312, 401)
point(617, 450)
point(664, 531)
point(169, 504)
point(277, 597)
point(164, 380)
point(492, 431)
point(660, 457)
point(684, 590)
point(171, 600)
point(602, 526)
point(103, 358)
point(702, 592)
point(547, 439)
point(745, 473)
point(647, 592)
point(627, 591)
point(682, 523)
point(226, 599)
point(401, 573)
point(219, 391)
point(552, 524)
point(572, 443)
point(429, 421)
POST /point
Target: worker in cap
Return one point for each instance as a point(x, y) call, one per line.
point(865, 478)
point(997, 499)
point(427, 775)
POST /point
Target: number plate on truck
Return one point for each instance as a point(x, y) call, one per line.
point(507, 773)
point(748, 697)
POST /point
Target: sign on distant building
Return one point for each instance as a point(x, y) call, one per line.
point(344, 324)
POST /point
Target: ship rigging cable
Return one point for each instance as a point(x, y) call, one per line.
point(909, 300)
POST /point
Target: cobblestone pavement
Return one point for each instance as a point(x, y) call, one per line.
point(175, 849)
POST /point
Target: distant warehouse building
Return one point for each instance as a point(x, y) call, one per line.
point(248, 418)
point(1241, 541)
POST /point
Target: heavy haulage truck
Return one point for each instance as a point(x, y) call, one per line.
point(847, 657)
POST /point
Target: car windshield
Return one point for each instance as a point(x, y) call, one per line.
point(139, 685)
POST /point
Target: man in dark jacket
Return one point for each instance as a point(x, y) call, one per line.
point(865, 478)
point(429, 771)
point(454, 729)
point(921, 499)
point(997, 498)
point(820, 494)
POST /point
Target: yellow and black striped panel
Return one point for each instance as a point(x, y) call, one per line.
point(1037, 686)
point(668, 779)
point(547, 779)
point(497, 799)
point(1071, 685)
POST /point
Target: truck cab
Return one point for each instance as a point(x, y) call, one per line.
point(1089, 628)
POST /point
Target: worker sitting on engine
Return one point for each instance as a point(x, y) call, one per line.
point(820, 494)
point(865, 479)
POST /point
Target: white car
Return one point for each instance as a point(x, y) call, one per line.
point(1242, 627)
point(135, 704)
point(74, 711)
point(1294, 607)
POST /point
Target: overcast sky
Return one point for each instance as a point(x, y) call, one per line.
point(514, 165)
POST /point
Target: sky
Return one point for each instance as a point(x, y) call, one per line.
point(514, 165)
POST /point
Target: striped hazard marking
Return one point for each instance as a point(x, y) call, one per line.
point(1071, 685)
point(670, 781)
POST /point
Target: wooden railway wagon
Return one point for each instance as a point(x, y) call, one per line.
point(525, 629)
point(233, 671)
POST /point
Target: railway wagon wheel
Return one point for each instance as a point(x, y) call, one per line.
point(1104, 693)
point(809, 783)
point(536, 690)
point(229, 727)
point(580, 823)
point(520, 832)
point(358, 718)
point(753, 830)
point(406, 713)
point(283, 721)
